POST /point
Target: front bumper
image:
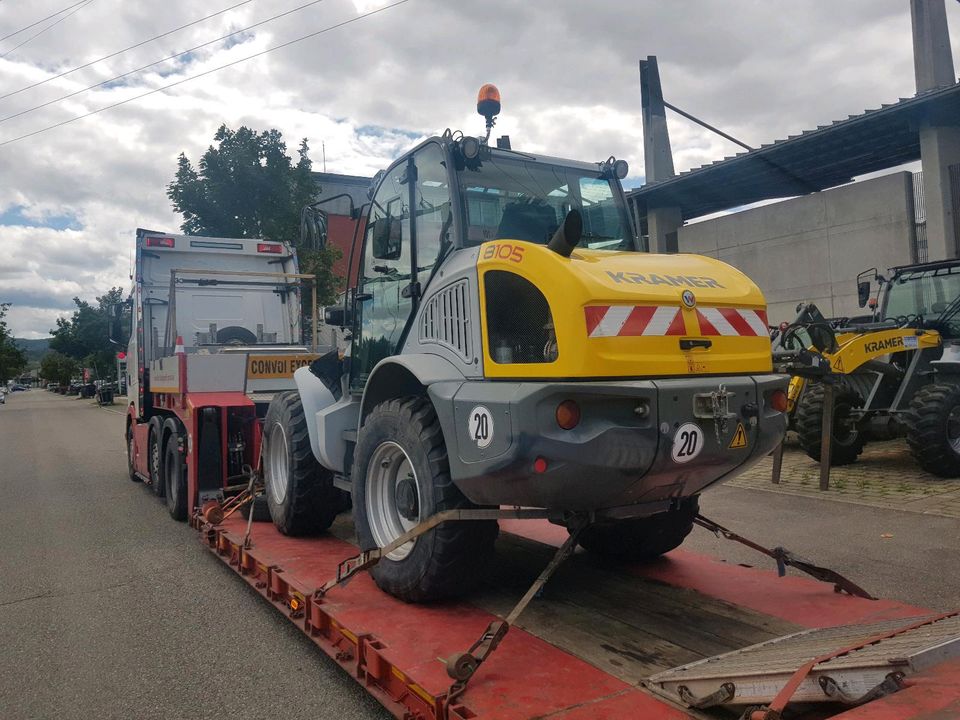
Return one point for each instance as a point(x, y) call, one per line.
point(615, 457)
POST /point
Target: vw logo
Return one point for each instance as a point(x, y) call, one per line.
point(689, 299)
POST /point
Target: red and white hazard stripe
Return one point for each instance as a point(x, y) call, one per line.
point(662, 320)
point(633, 320)
point(732, 321)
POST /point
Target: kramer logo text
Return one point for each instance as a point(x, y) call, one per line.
point(674, 280)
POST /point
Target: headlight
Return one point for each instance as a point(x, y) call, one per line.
point(519, 324)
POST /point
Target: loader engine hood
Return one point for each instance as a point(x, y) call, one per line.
point(601, 313)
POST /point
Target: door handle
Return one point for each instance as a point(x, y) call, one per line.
point(688, 344)
point(361, 297)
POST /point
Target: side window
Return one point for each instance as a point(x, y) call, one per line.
point(388, 231)
point(382, 308)
point(434, 211)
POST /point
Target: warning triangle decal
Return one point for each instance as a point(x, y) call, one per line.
point(739, 438)
point(838, 365)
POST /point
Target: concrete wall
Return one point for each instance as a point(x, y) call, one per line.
point(811, 248)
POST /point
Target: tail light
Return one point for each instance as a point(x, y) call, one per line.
point(271, 248)
point(568, 414)
point(165, 242)
point(778, 400)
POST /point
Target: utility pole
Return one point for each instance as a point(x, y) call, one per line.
point(939, 136)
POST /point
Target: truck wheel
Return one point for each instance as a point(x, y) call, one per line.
point(933, 429)
point(402, 477)
point(642, 539)
point(154, 456)
point(301, 497)
point(131, 466)
point(174, 473)
point(847, 441)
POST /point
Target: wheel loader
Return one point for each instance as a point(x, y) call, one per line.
point(896, 372)
point(509, 344)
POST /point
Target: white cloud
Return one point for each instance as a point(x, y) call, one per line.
point(567, 71)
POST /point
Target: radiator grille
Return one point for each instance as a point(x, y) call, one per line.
point(446, 320)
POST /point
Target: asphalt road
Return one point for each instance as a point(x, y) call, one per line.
point(109, 609)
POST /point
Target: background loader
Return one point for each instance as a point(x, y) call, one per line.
point(896, 372)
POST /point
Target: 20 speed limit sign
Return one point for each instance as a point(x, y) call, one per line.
point(687, 443)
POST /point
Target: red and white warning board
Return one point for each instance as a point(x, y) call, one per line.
point(662, 320)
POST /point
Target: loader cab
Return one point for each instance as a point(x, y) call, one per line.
point(454, 193)
point(929, 292)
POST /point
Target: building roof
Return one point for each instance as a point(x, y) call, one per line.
point(814, 160)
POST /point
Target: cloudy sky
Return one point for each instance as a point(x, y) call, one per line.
point(71, 197)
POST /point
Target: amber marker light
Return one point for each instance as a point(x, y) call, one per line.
point(488, 100)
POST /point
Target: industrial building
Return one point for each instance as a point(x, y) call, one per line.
point(811, 246)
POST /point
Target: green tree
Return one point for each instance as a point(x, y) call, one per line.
point(247, 186)
point(13, 360)
point(85, 335)
point(58, 368)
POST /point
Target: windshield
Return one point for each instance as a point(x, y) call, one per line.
point(521, 199)
point(926, 293)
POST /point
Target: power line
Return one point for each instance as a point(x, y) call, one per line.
point(156, 62)
point(34, 24)
point(205, 72)
point(48, 27)
point(126, 49)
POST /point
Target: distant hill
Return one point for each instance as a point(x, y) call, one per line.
point(35, 349)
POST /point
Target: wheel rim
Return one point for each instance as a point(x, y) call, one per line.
point(953, 429)
point(844, 425)
point(278, 464)
point(389, 468)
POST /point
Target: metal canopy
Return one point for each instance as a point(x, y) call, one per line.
point(814, 160)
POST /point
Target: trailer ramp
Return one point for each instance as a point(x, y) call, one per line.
point(863, 662)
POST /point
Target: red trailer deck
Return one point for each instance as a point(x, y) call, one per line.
point(579, 651)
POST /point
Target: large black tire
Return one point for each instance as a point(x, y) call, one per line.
point(131, 467)
point(174, 472)
point(301, 497)
point(933, 429)
point(847, 441)
point(401, 469)
point(642, 539)
point(155, 455)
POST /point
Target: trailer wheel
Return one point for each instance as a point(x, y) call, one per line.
point(402, 477)
point(155, 456)
point(174, 472)
point(301, 497)
point(642, 539)
point(847, 441)
point(933, 429)
point(131, 466)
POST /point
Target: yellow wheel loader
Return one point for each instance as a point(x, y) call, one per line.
point(509, 344)
point(896, 372)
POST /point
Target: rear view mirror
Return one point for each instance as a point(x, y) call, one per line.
point(864, 280)
point(113, 323)
point(387, 238)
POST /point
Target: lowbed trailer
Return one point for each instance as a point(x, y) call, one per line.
point(601, 640)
